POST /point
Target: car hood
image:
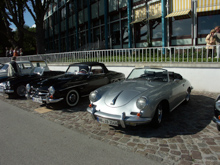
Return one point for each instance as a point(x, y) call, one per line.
point(122, 93)
point(60, 79)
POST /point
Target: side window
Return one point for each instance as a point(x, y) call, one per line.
point(27, 66)
point(97, 70)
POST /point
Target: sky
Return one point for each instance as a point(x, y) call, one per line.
point(28, 20)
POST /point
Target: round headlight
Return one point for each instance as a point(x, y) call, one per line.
point(93, 96)
point(8, 83)
point(217, 105)
point(142, 102)
point(28, 87)
point(51, 90)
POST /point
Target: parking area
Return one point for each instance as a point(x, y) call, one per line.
point(187, 136)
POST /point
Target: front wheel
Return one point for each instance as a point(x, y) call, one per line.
point(20, 91)
point(188, 94)
point(158, 116)
point(72, 98)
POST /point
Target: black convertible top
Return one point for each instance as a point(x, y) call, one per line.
point(91, 64)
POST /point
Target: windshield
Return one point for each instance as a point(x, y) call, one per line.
point(5, 66)
point(149, 74)
point(82, 69)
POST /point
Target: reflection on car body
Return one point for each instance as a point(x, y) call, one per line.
point(78, 81)
point(144, 97)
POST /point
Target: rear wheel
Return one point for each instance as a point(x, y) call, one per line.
point(20, 91)
point(72, 98)
point(158, 116)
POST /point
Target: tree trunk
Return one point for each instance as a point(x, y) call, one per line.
point(40, 34)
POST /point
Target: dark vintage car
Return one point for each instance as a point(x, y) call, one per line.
point(78, 81)
point(216, 117)
point(29, 71)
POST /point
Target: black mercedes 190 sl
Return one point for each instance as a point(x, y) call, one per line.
point(78, 81)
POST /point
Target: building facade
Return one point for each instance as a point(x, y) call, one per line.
point(74, 25)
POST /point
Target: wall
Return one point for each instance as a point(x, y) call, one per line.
point(202, 79)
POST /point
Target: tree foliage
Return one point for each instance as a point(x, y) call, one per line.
point(13, 12)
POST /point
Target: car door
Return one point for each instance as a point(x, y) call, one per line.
point(177, 86)
point(98, 78)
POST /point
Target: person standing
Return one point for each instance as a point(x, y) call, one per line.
point(15, 52)
point(14, 64)
point(217, 40)
point(6, 52)
point(21, 52)
point(210, 42)
point(11, 52)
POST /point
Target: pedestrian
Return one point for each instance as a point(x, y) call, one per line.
point(11, 52)
point(217, 40)
point(21, 52)
point(6, 52)
point(210, 42)
point(14, 64)
point(15, 52)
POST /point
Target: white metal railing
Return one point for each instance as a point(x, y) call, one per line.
point(184, 54)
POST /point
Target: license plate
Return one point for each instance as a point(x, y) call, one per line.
point(37, 99)
point(107, 121)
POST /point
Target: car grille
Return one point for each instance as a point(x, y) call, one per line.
point(35, 92)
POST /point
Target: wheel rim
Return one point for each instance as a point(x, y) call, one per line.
point(21, 90)
point(187, 96)
point(160, 113)
point(72, 98)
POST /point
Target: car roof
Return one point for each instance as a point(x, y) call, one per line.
point(90, 64)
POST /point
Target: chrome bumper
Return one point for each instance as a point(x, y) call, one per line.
point(9, 91)
point(122, 119)
point(217, 121)
point(48, 100)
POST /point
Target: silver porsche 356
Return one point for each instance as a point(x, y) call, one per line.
point(144, 97)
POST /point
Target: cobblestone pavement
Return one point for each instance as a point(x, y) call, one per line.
point(188, 136)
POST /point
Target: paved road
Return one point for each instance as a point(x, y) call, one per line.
point(188, 136)
point(29, 139)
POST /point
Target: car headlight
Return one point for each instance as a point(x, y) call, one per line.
point(217, 104)
point(142, 102)
point(93, 96)
point(8, 83)
point(51, 90)
point(28, 87)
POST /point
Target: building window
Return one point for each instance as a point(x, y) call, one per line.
point(124, 27)
point(115, 33)
point(181, 27)
point(207, 23)
point(140, 32)
point(156, 29)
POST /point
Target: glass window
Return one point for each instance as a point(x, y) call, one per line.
point(156, 28)
point(181, 27)
point(206, 23)
point(124, 25)
point(115, 33)
point(141, 32)
point(96, 34)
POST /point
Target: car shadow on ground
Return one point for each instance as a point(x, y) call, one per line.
point(81, 106)
point(186, 119)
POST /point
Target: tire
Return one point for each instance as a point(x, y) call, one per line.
point(187, 98)
point(20, 91)
point(158, 116)
point(72, 98)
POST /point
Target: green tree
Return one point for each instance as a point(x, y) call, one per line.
point(13, 13)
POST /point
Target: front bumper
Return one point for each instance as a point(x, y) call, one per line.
point(122, 119)
point(43, 99)
point(217, 121)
